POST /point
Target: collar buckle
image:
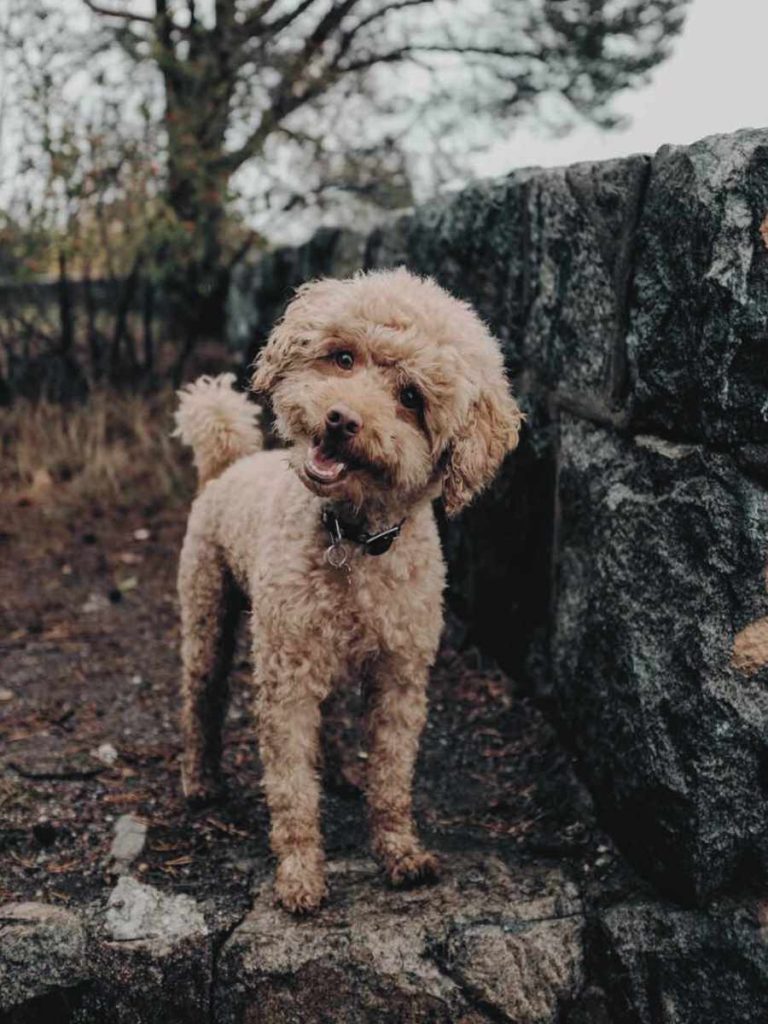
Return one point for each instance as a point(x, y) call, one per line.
point(372, 544)
point(380, 543)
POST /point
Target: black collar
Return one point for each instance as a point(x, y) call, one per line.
point(372, 543)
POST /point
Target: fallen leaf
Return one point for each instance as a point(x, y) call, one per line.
point(123, 798)
point(230, 830)
point(178, 861)
point(63, 869)
point(26, 862)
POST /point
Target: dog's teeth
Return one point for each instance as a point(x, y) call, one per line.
point(324, 468)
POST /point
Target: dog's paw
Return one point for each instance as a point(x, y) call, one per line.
point(206, 792)
point(300, 887)
point(414, 867)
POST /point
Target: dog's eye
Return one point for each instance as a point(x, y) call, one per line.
point(410, 397)
point(344, 360)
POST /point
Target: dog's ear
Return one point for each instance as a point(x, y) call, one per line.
point(490, 431)
point(288, 339)
point(274, 360)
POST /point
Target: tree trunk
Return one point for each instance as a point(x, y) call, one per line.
point(66, 321)
point(147, 316)
point(198, 93)
point(94, 341)
point(116, 363)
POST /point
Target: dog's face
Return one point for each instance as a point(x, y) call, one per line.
point(389, 390)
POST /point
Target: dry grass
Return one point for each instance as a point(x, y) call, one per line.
point(114, 449)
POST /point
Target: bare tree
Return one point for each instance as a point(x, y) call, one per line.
point(243, 83)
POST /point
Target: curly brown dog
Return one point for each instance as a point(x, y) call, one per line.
point(390, 393)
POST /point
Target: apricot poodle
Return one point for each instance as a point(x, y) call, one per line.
point(389, 393)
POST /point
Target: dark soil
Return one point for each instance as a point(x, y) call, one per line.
point(88, 656)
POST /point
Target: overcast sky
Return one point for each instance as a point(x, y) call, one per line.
point(715, 81)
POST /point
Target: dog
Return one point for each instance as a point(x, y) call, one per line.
point(389, 393)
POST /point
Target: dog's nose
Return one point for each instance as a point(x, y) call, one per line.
point(343, 420)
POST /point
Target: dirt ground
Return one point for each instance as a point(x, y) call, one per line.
point(88, 658)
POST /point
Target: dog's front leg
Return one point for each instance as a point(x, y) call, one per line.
point(398, 711)
point(289, 737)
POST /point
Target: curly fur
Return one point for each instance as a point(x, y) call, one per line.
point(256, 530)
point(219, 424)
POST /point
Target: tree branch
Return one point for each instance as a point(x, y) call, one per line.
point(273, 27)
point(224, 11)
point(296, 88)
point(401, 52)
point(391, 57)
point(348, 37)
point(252, 22)
point(262, 10)
point(398, 5)
point(269, 120)
point(165, 27)
point(293, 90)
point(483, 51)
point(328, 25)
point(111, 12)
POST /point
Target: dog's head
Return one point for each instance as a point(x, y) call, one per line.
point(389, 390)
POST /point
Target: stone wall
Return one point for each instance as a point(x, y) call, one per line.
point(624, 546)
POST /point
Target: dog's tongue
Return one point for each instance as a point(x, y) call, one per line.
point(324, 466)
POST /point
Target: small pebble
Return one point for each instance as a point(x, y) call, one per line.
point(95, 603)
point(141, 534)
point(130, 558)
point(6, 695)
point(129, 841)
point(105, 753)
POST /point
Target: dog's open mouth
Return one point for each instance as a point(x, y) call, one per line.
point(325, 467)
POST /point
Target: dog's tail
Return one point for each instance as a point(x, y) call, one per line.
point(218, 423)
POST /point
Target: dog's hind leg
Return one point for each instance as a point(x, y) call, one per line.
point(210, 611)
point(398, 711)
